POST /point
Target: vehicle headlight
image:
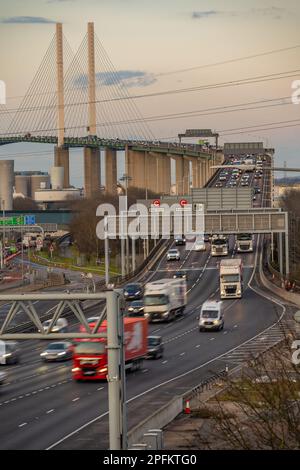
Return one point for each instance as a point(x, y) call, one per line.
point(165, 314)
point(76, 369)
point(146, 315)
point(202, 320)
point(216, 322)
point(104, 369)
point(61, 353)
point(43, 354)
point(6, 355)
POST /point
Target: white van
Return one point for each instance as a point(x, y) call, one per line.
point(211, 316)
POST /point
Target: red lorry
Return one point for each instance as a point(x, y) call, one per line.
point(90, 355)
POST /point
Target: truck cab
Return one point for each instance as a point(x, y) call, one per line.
point(211, 316)
point(219, 245)
point(244, 243)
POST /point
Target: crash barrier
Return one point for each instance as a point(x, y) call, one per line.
point(141, 434)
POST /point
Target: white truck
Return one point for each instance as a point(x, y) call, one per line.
point(165, 299)
point(231, 278)
point(244, 243)
point(219, 245)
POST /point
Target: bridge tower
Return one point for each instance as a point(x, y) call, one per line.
point(92, 167)
point(61, 153)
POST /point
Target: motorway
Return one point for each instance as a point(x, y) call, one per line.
point(41, 407)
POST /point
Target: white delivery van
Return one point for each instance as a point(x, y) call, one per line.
point(211, 316)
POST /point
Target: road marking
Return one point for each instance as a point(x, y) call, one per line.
point(49, 411)
point(198, 346)
point(21, 425)
point(75, 399)
point(100, 388)
point(212, 339)
point(182, 354)
point(164, 362)
point(144, 370)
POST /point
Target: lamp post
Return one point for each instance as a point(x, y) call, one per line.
point(126, 178)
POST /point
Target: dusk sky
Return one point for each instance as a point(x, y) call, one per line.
point(151, 44)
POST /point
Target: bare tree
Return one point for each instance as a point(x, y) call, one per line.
point(260, 408)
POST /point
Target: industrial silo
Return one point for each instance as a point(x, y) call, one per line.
point(37, 182)
point(6, 184)
point(57, 177)
point(23, 185)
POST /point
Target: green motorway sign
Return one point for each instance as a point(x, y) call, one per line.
point(18, 220)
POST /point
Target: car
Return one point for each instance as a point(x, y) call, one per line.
point(9, 352)
point(199, 245)
point(133, 291)
point(244, 183)
point(58, 351)
point(155, 348)
point(257, 190)
point(173, 255)
point(180, 275)
point(219, 185)
point(3, 377)
point(180, 240)
point(206, 237)
point(136, 308)
point(92, 319)
point(60, 326)
point(222, 178)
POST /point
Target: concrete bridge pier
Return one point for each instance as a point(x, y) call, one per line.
point(111, 170)
point(61, 158)
point(182, 175)
point(163, 173)
point(92, 170)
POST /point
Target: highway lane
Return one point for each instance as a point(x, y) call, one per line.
point(55, 391)
point(181, 337)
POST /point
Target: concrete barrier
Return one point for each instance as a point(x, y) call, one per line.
point(157, 420)
point(288, 296)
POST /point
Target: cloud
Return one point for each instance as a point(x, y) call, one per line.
point(128, 78)
point(204, 14)
point(272, 12)
point(26, 20)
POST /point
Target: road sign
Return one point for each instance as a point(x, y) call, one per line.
point(156, 203)
point(29, 219)
point(183, 202)
point(18, 220)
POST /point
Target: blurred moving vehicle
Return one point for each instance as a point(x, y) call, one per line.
point(60, 326)
point(60, 351)
point(133, 291)
point(173, 255)
point(9, 352)
point(164, 299)
point(136, 308)
point(180, 240)
point(211, 316)
point(180, 275)
point(90, 355)
point(155, 347)
point(3, 377)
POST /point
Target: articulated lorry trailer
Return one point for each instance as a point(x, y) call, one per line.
point(231, 278)
point(165, 299)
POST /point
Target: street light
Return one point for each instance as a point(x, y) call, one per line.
point(126, 178)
